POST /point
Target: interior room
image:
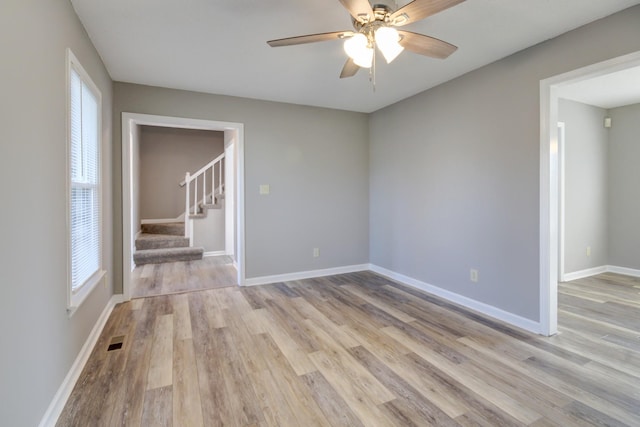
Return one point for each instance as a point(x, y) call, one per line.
point(389, 213)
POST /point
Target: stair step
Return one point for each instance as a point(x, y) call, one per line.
point(212, 206)
point(172, 228)
point(203, 210)
point(160, 241)
point(158, 256)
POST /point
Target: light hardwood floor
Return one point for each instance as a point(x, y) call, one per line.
point(175, 277)
point(359, 350)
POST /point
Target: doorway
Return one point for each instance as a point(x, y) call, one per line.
point(550, 179)
point(233, 143)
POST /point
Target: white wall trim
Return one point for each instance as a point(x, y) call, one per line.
point(561, 199)
point(214, 253)
point(623, 270)
point(550, 90)
point(599, 270)
point(56, 406)
point(264, 280)
point(581, 274)
point(485, 309)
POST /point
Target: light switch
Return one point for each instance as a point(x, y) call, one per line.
point(264, 188)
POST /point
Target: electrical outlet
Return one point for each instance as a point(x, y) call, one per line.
point(588, 250)
point(316, 252)
point(473, 275)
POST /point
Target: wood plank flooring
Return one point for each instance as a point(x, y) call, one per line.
point(183, 276)
point(360, 350)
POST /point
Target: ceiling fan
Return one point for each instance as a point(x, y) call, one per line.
point(374, 26)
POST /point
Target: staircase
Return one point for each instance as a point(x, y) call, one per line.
point(173, 241)
point(165, 242)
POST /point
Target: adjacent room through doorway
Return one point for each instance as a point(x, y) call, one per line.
point(590, 259)
point(182, 210)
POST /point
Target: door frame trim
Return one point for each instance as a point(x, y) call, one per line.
point(129, 120)
point(550, 89)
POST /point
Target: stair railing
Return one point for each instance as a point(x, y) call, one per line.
point(207, 173)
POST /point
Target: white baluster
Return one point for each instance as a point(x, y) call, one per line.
point(220, 174)
point(213, 184)
point(195, 196)
point(187, 177)
point(204, 188)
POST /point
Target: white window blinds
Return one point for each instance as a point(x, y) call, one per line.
point(84, 172)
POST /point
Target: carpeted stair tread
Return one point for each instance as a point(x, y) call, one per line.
point(160, 241)
point(172, 228)
point(157, 256)
point(211, 206)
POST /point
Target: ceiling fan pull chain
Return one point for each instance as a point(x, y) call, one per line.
point(372, 70)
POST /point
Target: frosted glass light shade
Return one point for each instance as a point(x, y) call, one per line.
point(357, 48)
point(387, 39)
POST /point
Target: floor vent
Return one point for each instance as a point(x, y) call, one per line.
point(116, 343)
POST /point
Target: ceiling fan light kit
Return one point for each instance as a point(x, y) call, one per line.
point(360, 50)
point(388, 41)
point(375, 27)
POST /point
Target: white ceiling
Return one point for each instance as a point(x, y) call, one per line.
point(220, 46)
point(608, 91)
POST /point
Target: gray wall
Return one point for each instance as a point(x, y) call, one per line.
point(624, 188)
point(166, 154)
point(39, 340)
point(586, 146)
point(454, 171)
point(314, 159)
point(208, 232)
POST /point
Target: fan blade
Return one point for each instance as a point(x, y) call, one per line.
point(350, 69)
point(420, 9)
point(425, 45)
point(310, 38)
point(360, 9)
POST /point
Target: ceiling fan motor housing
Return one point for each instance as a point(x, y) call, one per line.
point(381, 13)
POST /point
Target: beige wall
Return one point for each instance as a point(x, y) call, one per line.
point(39, 340)
point(166, 154)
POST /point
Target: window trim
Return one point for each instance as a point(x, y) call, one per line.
point(75, 297)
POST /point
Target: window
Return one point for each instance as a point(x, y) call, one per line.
point(85, 195)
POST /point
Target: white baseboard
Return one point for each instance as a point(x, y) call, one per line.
point(623, 270)
point(599, 270)
point(486, 309)
point(214, 253)
point(584, 273)
point(263, 280)
point(62, 395)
